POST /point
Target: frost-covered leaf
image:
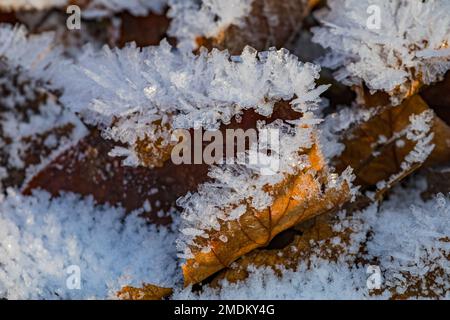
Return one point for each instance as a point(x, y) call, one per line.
point(240, 211)
point(393, 143)
point(168, 89)
point(34, 126)
point(393, 46)
point(404, 237)
point(87, 169)
point(235, 24)
point(311, 238)
point(147, 292)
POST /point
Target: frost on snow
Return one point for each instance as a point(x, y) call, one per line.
point(31, 118)
point(406, 238)
point(196, 18)
point(410, 47)
point(127, 91)
point(41, 238)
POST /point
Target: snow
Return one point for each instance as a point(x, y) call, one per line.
point(180, 89)
point(410, 45)
point(197, 18)
point(237, 187)
point(40, 238)
point(404, 235)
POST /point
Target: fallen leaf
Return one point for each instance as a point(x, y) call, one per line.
point(378, 149)
point(270, 23)
point(145, 31)
point(312, 237)
point(147, 292)
point(437, 97)
point(87, 169)
point(23, 101)
point(298, 198)
point(438, 181)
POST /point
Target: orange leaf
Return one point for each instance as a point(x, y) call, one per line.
point(378, 149)
point(297, 199)
point(147, 292)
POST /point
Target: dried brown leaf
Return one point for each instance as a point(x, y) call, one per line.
point(270, 23)
point(22, 99)
point(310, 237)
point(147, 292)
point(145, 31)
point(87, 169)
point(376, 149)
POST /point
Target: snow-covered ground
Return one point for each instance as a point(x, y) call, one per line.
point(41, 238)
point(45, 242)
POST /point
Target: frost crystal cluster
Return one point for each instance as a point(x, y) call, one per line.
point(36, 54)
point(397, 46)
point(170, 87)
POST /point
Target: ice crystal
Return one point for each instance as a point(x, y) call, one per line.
point(126, 91)
point(390, 45)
